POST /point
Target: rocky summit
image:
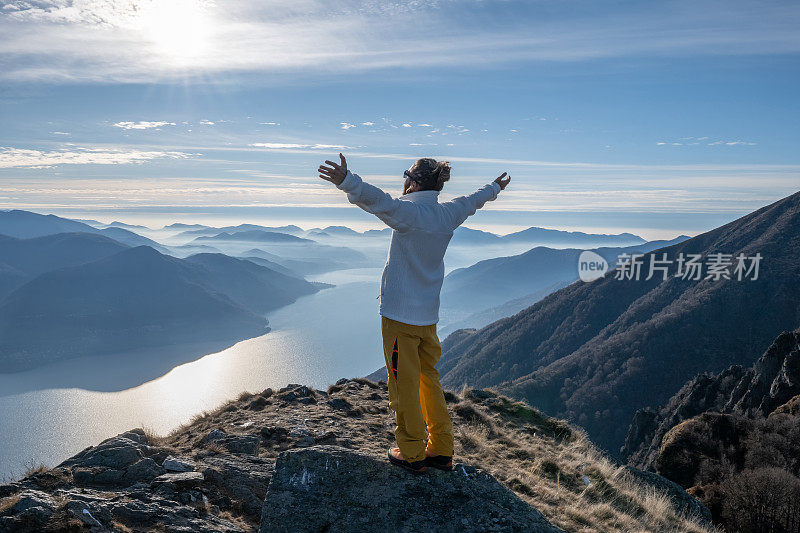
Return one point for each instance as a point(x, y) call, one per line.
point(329, 488)
point(300, 459)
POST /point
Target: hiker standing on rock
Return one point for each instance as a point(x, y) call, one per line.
point(410, 285)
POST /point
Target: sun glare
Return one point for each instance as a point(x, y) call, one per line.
point(179, 29)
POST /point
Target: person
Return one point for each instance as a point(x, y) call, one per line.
point(409, 308)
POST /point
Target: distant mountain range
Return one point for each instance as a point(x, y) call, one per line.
point(596, 352)
point(27, 258)
point(572, 238)
point(495, 281)
point(198, 229)
point(252, 236)
point(462, 236)
point(73, 294)
point(26, 224)
point(284, 245)
point(118, 224)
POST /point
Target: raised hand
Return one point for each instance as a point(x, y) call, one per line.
point(502, 180)
point(334, 173)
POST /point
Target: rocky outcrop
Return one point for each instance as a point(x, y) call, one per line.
point(329, 488)
point(218, 474)
point(757, 391)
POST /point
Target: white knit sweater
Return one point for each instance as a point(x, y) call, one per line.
point(414, 271)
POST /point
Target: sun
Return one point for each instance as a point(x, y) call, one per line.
point(180, 30)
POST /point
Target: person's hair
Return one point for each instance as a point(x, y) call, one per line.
point(430, 174)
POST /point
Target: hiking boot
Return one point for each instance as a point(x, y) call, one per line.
point(417, 467)
point(442, 462)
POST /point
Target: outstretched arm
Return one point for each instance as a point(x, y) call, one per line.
point(397, 214)
point(464, 207)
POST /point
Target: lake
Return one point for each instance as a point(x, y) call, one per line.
point(50, 413)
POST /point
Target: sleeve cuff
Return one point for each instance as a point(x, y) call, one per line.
point(349, 182)
point(496, 188)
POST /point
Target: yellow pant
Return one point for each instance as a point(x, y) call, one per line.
point(415, 394)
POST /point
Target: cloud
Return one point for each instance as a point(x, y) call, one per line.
point(28, 158)
point(270, 123)
point(293, 146)
point(206, 123)
point(150, 41)
point(347, 125)
point(142, 125)
point(732, 143)
point(696, 141)
point(59, 133)
point(406, 125)
point(367, 123)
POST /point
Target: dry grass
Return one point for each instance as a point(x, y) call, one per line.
point(32, 470)
point(548, 463)
point(153, 438)
point(8, 503)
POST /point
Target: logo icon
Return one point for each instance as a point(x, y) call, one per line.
point(591, 266)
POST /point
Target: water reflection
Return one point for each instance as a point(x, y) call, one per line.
point(48, 414)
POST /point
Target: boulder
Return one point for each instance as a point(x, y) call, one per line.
point(179, 464)
point(179, 480)
point(30, 512)
point(247, 443)
point(329, 488)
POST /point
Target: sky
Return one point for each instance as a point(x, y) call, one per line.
point(654, 117)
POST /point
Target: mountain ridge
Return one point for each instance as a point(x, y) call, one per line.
point(595, 352)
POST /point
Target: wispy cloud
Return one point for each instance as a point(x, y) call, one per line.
point(27, 158)
point(294, 146)
point(143, 125)
point(703, 141)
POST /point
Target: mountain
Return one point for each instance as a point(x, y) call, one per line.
point(596, 352)
point(754, 391)
point(487, 316)
point(340, 231)
point(495, 281)
point(234, 469)
point(251, 285)
point(292, 267)
point(26, 224)
point(252, 236)
point(27, 258)
point(385, 232)
point(210, 231)
point(471, 237)
point(118, 224)
point(271, 265)
point(285, 247)
point(89, 221)
point(258, 252)
point(572, 238)
point(181, 225)
point(138, 298)
point(733, 440)
point(132, 239)
point(185, 250)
